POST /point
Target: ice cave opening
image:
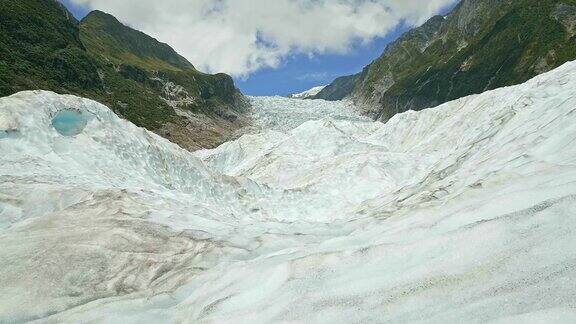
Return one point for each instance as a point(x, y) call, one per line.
point(69, 122)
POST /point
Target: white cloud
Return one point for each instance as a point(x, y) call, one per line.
point(242, 36)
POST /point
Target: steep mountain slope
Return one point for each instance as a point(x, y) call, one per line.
point(481, 45)
point(338, 89)
point(459, 214)
point(105, 37)
point(143, 80)
point(40, 48)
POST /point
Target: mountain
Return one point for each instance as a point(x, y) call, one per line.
point(338, 89)
point(459, 214)
point(143, 80)
point(108, 39)
point(480, 45)
point(40, 48)
point(307, 94)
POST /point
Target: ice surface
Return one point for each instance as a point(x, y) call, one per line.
point(461, 213)
point(308, 93)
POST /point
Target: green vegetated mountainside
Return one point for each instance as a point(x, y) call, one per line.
point(40, 48)
point(143, 80)
point(480, 45)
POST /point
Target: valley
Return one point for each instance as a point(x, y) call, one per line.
point(461, 213)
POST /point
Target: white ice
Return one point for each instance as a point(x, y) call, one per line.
point(308, 93)
point(461, 213)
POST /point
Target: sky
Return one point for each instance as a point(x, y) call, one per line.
point(272, 47)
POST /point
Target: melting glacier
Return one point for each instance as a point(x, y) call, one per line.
point(461, 213)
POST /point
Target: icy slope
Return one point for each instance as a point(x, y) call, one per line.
point(308, 93)
point(282, 114)
point(461, 213)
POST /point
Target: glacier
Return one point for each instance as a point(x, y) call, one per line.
point(460, 213)
point(307, 93)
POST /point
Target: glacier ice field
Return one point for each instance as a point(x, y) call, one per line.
point(464, 213)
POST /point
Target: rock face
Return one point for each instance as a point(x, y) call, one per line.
point(338, 89)
point(480, 45)
point(140, 78)
point(566, 14)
